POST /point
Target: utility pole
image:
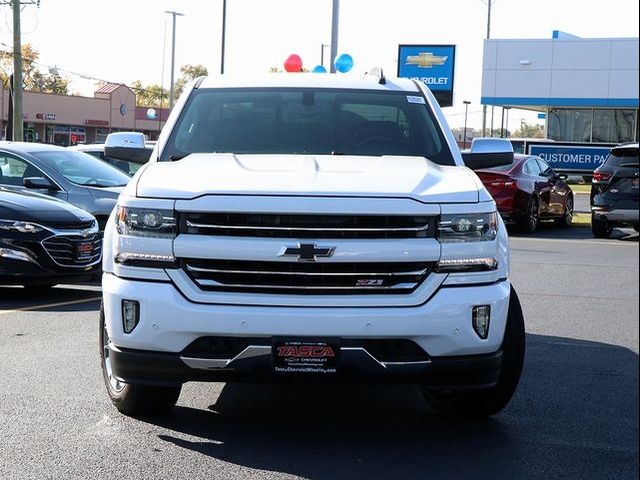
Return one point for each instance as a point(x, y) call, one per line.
point(484, 107)
point(173, 54)
point(335, 14)
point(17, 67)
point(18, 134)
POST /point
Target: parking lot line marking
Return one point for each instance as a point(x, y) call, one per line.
point(50, 305)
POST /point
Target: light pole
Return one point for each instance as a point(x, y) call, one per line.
point(466, 110)
point(335, 14)
point(173, 54)
point(322, 53)
point(224, 34)
point(507, 122)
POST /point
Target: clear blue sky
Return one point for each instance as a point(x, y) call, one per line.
point(126, 40)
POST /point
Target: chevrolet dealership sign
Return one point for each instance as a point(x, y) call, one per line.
point(432, 65)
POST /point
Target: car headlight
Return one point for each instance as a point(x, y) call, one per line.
point(473, 227)
point(146, 222)
point(20, 227)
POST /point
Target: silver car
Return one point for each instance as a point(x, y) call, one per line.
point(73, 176)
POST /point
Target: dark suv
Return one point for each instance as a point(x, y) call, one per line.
point(614, 191)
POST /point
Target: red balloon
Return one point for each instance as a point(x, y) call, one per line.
point(293, 63)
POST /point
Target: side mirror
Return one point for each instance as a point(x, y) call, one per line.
point(127, 146)
point(488, 153)
point(39, 182)
point(562, 176)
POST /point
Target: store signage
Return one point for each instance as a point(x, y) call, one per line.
point(46, 116)
point(100, 123)
point(432, 65)
point(571, 157)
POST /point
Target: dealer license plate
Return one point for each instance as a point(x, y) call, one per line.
point(84, 250)
point(305, 356)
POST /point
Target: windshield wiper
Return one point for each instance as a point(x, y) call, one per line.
point(175, 158)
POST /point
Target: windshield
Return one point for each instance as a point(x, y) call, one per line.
point(307, 121)
point(82, 169)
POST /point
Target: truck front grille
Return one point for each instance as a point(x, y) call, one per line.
point(308, 226)
point(307, 278)
point(74, 251)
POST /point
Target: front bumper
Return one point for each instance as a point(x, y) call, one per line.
point(17, 271)
point(616, 214)
point(169, 323)
point(357, 366)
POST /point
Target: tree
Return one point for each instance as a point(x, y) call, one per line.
point(150, 95)
point(156, 96)
point(189, 72)
point(33, 79)
point(529, 131)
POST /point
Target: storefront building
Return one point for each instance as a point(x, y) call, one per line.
point(587, 88)
point(70, 120)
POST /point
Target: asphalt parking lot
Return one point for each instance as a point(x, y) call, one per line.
point(575, 414)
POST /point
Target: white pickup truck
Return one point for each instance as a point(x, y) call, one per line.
point(316, 228)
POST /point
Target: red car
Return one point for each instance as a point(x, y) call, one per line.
point(528, 191)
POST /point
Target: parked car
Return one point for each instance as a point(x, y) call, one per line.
point(314, 228)
point(44, 241)
point(528, 191)
point(130, 167)
point(614, 191)
point(75, 177)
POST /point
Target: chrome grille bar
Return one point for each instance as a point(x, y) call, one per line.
point(306, 277)
point(306, 229)
point(191, 268)
point(213, 283)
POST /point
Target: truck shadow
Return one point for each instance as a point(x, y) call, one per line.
point(575, 415)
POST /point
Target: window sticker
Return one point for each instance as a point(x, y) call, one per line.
point(415, 99)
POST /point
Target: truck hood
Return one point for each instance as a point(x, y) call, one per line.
point(335, 175)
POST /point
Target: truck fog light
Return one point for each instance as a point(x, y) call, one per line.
point(481, 314)
point(130, 315)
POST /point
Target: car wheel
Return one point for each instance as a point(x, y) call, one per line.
point(489, 401)
point(530, 222)
point(601, 228)
point(132, 399)
point(567, 218)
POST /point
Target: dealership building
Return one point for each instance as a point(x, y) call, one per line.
point(69, 120)
point(586, 89)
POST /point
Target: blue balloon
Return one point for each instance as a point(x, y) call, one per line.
point(319, 69)
point(343, 63)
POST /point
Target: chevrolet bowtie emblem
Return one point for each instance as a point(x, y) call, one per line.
point(307, 252)
point(425, 60)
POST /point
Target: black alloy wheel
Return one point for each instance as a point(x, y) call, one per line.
point(567, 217)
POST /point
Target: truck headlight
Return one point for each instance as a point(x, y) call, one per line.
point(473, 227)
point(146, 222)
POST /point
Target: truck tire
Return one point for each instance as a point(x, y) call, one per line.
point(489, 401)
point(129, 399)
point(601, 228)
